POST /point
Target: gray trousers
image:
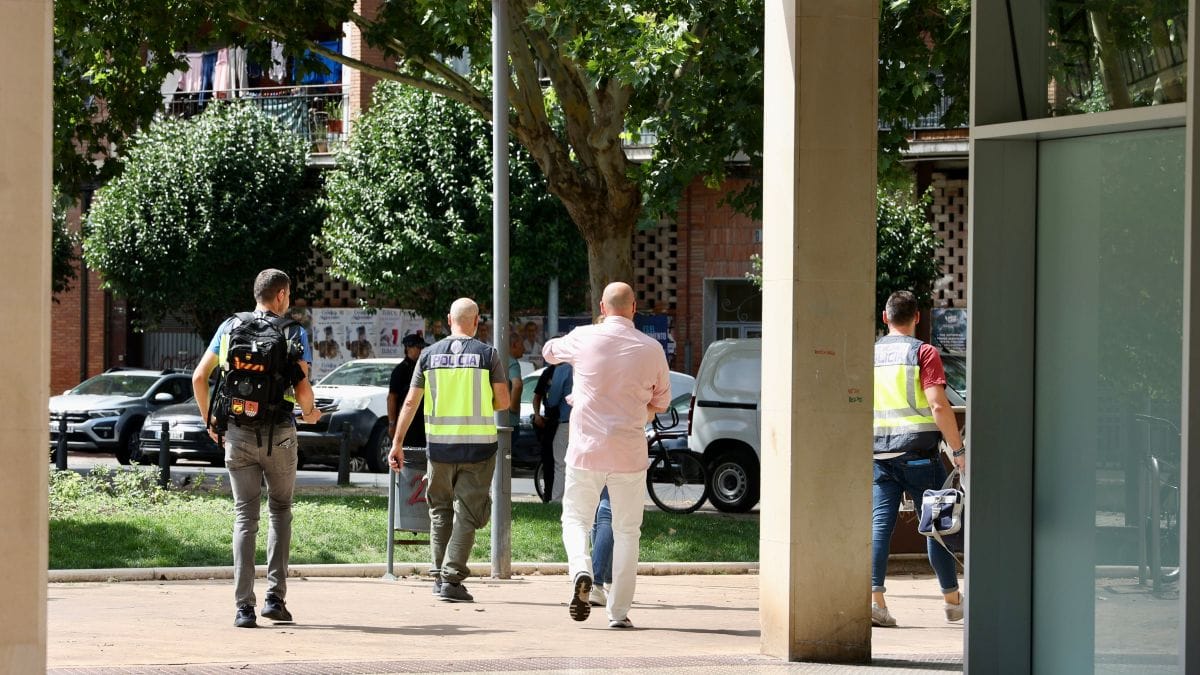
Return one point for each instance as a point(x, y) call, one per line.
point(248, 465)
point(460, 502)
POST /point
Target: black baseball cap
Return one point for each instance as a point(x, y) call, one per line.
point(414, 340)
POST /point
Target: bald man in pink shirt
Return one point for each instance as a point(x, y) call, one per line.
point(621, 382)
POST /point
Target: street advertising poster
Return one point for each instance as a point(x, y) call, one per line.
point(532, 330)
point(394, 325)
point(949, 330)
point(657, 326)
point(343, 334)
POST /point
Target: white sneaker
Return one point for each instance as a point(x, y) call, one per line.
point(597, 596)
point(880, 616)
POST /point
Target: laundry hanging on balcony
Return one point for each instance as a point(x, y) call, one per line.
point(229, 73)
point(314, 76)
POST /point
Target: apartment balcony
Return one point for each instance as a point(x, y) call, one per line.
point(315, 113)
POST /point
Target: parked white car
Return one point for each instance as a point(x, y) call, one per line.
point(354, 394)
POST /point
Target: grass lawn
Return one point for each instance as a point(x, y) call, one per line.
point(121, 521)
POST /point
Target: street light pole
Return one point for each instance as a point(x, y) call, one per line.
point(502, 480)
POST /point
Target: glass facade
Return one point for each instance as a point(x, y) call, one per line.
point(1115, 54)
point(1108, 335)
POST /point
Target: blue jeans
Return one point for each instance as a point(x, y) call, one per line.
point(602, 541)
point(914, 476)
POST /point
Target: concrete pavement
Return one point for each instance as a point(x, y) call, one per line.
point(685, 623)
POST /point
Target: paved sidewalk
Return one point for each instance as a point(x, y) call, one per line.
point(685, 624)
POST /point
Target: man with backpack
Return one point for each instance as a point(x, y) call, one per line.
point(264, 360)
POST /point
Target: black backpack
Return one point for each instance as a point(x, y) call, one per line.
point(260, 364)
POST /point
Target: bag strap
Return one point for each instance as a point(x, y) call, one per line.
point(938, 536)
point(952, 483)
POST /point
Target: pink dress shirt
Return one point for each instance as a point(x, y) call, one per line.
point(619, 371)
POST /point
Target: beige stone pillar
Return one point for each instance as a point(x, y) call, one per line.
point(25, 338)
point(818, 299)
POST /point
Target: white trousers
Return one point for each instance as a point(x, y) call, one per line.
point(562, 435)
point(626, 493)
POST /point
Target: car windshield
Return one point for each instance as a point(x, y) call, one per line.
point(358, 374)
point(117, 384)
point(956, 372)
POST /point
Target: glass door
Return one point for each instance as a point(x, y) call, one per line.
point(1107, 403)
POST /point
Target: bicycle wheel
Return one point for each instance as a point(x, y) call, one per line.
point(539, 482)
point(677, 481)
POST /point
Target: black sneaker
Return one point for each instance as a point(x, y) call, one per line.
point(245, 617)
point(452, 592)
point(275, 609)
point(437, 586)
point(581, 607)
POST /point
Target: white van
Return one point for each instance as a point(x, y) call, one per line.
point(723, 424)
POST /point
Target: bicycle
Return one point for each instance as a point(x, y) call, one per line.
point(676, 478)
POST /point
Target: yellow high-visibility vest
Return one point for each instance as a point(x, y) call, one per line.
point(903, 419)
point(460, 422)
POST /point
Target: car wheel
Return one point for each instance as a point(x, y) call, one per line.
point(733, 482)
point(130, 449)
point(359, 464)
point(377, 449)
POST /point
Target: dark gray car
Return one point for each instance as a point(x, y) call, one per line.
point(105, 413)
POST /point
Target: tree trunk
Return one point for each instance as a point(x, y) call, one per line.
point(609, 237)
point(1173, 86)
point(1110, 62)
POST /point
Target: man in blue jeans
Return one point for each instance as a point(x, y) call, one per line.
point(602, 552)
point(911, 416)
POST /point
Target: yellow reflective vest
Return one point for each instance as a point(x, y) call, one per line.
point(903, 419)
point(460, 423)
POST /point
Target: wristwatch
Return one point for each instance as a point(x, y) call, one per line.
point(960, 452)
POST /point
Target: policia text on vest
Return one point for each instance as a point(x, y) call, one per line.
point(460, 422)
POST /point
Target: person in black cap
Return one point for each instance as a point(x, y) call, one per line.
point(398, 389)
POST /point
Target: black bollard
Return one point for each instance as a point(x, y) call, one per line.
point(60, 450)
point(164, 455)
point(344, 457)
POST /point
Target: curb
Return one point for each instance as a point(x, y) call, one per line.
point(376, 570)
point(901, 563)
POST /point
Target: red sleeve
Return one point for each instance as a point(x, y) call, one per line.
point(932, 371)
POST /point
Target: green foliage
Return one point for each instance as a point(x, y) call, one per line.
point(202, 206)
point(62, 246)
point(104, 490)
point(410, 212)
point(145, 527)
point(905, 248)
point(105, 89)
point(924, 56)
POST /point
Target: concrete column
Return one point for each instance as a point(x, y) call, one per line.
point(818, 299)
point(25, 293)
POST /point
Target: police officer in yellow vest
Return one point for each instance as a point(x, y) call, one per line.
point(911, 416)
point(462, 382)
